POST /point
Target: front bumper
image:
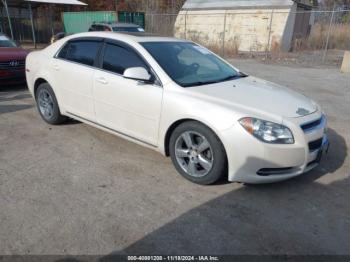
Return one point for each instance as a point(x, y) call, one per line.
point(12, 77)
point(252, 161)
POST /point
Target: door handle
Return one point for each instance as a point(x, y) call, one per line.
point(102, 80)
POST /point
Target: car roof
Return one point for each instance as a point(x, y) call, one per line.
point(129, 36)
point(116, 24)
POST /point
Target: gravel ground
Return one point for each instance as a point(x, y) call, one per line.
point(73, 189)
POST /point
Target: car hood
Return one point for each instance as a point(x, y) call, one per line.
point(258, 95)
point(15, 53)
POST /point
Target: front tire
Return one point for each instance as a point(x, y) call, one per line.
point(197, 153)
point(47, 105)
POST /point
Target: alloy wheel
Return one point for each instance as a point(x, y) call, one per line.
point(46, 104)
point(194, 154)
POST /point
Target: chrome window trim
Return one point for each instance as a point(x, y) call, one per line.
point(158, 83)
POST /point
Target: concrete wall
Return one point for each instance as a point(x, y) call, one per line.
point(245, 29)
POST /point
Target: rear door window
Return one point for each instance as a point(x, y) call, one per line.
point(82, 52)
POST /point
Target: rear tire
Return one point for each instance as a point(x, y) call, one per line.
point(197, 153)
point(47, 105)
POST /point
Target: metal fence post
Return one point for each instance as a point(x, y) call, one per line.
point(223, 37)
point(51, 20)
point(328, 35)
point(152, 26)
point(32, 23)
point(8, 17)
point(2, 20)
point(268, 49)
point(186, 25)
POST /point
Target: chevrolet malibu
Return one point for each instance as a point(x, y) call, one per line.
point(182, 100)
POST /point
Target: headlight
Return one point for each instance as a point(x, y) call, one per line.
point(267, 131)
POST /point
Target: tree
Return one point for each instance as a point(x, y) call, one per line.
point(150, 6)
point(100, 5)
point(329, 4)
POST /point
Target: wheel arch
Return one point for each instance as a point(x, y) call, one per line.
point(179, 122)
point(170, 131)
point(37, 83)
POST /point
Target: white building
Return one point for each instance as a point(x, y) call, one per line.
point(243, 25)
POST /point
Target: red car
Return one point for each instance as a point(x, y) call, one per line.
point(12, 62)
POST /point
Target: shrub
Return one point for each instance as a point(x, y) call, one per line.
point(339, 37)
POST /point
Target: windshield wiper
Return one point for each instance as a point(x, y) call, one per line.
point(228, 78)
point(243, 74)
point(232, 77)
point(199, 83)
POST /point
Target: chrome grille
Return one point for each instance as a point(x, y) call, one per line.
point(311, 125)
point(315, 145)
point(12, 65)
point(318, 123)
point(274, 171)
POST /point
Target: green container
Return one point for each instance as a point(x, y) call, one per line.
point(132, 17)
point(78, 22)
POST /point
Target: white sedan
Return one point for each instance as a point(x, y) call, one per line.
point(182, 100)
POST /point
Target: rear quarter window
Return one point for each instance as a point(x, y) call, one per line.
point(82, 52)
point(63, 52)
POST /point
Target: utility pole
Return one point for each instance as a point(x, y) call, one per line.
point(8, 16)
point(32, 23)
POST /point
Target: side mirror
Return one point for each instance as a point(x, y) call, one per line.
point(137, 73)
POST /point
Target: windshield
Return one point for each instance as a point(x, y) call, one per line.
point(128, 29)
point(189, 64)
point(6, 42)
